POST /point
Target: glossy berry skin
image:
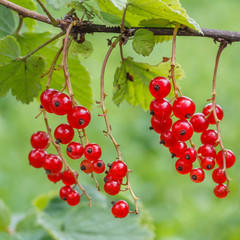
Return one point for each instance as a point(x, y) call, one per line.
point(182, 130)
point(118, 169)
point(112, 187)
point(110, 177)
point(55, 177)
point(160, 87)
point(46, 98)
point(98, 166)
point(183, 107)
point(206, 110)
point(40, 140)
point(37, 157)
point(207, 163)
point(199, 122)
point(67, 178)
point(197, 175)
point(220, 191)
point(159, 126)
point(183, 166)
point(64, 133)
point(190, 154)
point(120, 209)
point(218, 175)
point(229, 156)
point(52, 164)
point(73, 198)
point(178, 149)
point(79, 117)
point(160, 109)
point(87, 166)
point(92, 151)
point(168, 139)
point(209, 137)
point(74, 150)
point(64, 191)
point(207, 150)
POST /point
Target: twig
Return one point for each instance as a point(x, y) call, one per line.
point(19, 25)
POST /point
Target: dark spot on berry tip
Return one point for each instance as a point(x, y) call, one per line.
point(105, 179)
point(179, 168)
point(83, 168)
point(150, 128)
point(173, 155)
point(107, 172)
point(109, 165)
point(152, 112)
point(162, 142)
point(81, 121)
point(69, 149)
point(56, 104)
point(113, 202)
point(41, 106)
point(57, 141)
point(156, 87)
point(209, 166)
point(187, 157)
point(47, 171)
point(188, 116)
point(194, 177)
point(64, 199)
point(89, 150)
point(182, 132)
point(99, 164)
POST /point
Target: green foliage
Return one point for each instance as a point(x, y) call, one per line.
point(85, 49)
point(57, 4)
point(7, 24)
point(5, 216)
point(113, 19)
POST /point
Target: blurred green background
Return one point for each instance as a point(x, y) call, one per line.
point(180, 208)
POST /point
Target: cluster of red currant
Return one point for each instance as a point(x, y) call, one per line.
point(174, 135)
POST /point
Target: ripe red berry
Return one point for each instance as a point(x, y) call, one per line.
point(160, 109)
point(73, 198)
point(199, 122)
point(67, 178)
point(118, 169)
point(46, 98)
point(98, 166)
point(183, 166)
point(120, 209)
point(64, 191)
point(55, 177)
point(64, 133)
point(52, 164)
point(79, 117)
point(40, 140)
point(210, 117)
point(92, 151)
point(112, 187)
point(61, 104)
point(207, 163)
point(182, 130)
point(190, 155)
point(168, 139)
point(209, 137)
point(160, 87)
point(75, 150)
point(197, 175)
point(218, 175)
point(37, 157)
point(159, 126)
point(220, 191)
point(183, 107)
point(207, 150)
point(229, 156)
point(87, 166)
point(110, 177)
point(178, 149)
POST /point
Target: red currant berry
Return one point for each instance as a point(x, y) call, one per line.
point(86, 166)
point(37, 157)
point(64, 133)
point(55, 177)
point(218, 175)
point(168, 139)
point(209, 137)
point(98, 166)
point(52, 164)
point(92, 151)
point(197, 175)
point(161, 126)
point(183, 107)
point(199, 122)
point(61, 104)
point(182, 130)
point(73, 198)
point(210, 117)
point(120, 209)
point(40, 140)
point(183, 166)
point(46, 98)
point(160, 87)
point(112, 187)
point(229, 156)
point(118, 169)
point(79, 117)
point(160, 109)
point(110, 177)
point(207, 163)
point(220, 191)
point(178, 149)
point(68, 179)
point(190, 155)
point(75, 150)
point(207, 150)
point(64, 191)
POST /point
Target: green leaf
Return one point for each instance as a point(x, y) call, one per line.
point(30, 23)
point(57, 4)
point(132, 79)
point(143, 42)
point(42, 200)
point(7, 24)
point(120, 4)
point(113, 19)
point(5, 216)
point(85, 48)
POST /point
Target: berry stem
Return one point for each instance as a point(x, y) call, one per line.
point(95, 180)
